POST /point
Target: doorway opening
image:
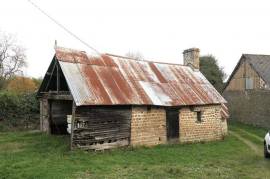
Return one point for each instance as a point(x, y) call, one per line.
point(59, 109)
point(172, 120)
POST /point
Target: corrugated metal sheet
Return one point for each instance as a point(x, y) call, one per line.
point(224, 111)
point(114, 80)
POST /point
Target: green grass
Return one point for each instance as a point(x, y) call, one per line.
point(36, 155)
point(252, 129)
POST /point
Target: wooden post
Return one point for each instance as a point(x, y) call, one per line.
point(72, 124)
point(57, 78)
point(41, 114)
point(245, 74)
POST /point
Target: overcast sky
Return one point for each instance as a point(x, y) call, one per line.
point(160, 30)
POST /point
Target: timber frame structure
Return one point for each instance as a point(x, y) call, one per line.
point(252, 72)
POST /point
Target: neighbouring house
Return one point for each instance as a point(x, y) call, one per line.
point(247, 90)
point(118, 101)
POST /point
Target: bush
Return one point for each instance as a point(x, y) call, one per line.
point(20, 111)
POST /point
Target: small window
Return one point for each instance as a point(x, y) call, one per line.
point(199, 116)
point(249, 83)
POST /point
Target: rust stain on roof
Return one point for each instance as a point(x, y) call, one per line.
point(224, 111)
point(116, 80)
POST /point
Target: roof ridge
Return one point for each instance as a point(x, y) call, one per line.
point(130, 58)
point(68, 49)
point(114, 55)
point(255, 54)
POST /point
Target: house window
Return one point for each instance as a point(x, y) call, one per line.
point(199, 116)
point(249, 83)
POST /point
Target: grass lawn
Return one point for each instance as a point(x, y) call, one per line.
point(36, 155)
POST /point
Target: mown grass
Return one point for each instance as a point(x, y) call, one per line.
point(252, 129)
point(254, 134)
point(36, 155)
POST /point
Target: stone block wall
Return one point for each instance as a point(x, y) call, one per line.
point(250, 106)
point(148, 126)
point(212, 126)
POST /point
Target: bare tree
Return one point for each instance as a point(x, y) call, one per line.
point(12, 56)
point(136, 56)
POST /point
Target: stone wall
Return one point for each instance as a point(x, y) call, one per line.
point(148, 126)
point(250, 107)
point(212, 126)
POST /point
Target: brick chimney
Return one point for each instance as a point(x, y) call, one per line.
point(191, 58)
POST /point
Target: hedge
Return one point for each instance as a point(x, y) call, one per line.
point(18, 110)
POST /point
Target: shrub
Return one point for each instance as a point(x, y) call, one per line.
point(19, 111)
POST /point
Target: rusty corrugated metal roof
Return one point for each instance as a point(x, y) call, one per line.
point(224, 111)
point(115, 80)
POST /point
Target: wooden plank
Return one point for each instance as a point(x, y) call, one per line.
point(99, 140)
point(72, 124)
point(99, 125)
point(57, 78)
point(102, 128)
point(58, 97)
point(99, 136)
point(105, 145)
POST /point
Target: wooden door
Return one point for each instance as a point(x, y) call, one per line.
point(172, 116)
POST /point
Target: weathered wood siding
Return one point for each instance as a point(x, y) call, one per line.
point(99, 127)
point(238, 81)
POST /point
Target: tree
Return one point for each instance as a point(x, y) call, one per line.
point(12, 57)
point(211, 70)
point(21, 84)
point(37, 81)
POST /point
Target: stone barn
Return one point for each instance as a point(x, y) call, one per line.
point(248, 90)
point(112, 101)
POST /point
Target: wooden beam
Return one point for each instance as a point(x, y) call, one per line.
point(50, 77)
point(60, 97)
point(104, 146)
point(56, 96)
point(57, 78)
point(72, 124)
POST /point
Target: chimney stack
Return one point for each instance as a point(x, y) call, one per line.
point(191, 58)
